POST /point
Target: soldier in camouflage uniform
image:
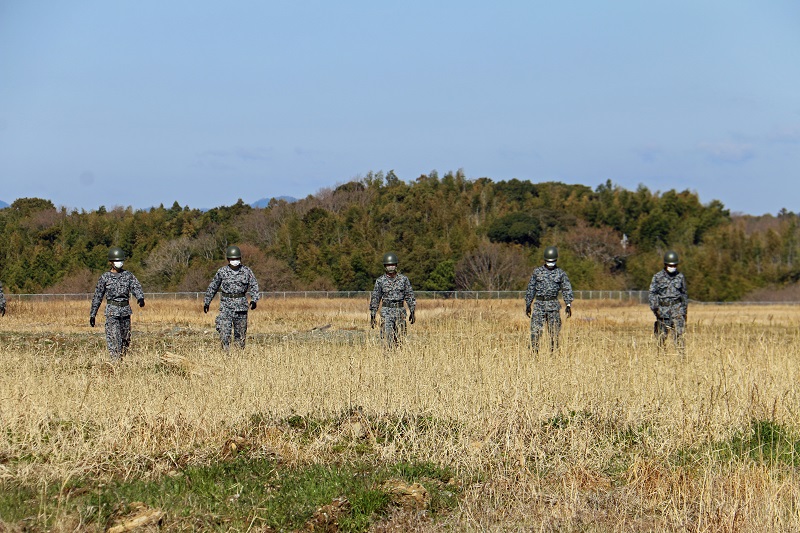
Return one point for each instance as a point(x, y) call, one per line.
point(543, 287)
point(392, 288)
point(2, 301)
point(669, 302)
point(235, 281)
point(116, 286)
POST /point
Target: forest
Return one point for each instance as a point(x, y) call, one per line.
point(450, 233)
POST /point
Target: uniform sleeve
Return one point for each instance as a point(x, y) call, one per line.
point(411, 300)
point(97, 299)
point(375, 299)
point(653, 294)
point(255, 293)
point(566, 290)
point(212, 289)
point(684, 294)
point(2, 298)
point(136, 288)
point(530, 293)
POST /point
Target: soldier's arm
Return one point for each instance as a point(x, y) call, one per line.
point(212, 289)
point(255, 292)
point(377, 295)
point(530, 292)
point(136, 288)
point(566, 290)
point(97, 299)
point(411, 300)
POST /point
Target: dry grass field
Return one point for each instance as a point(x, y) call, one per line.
point(607, 434)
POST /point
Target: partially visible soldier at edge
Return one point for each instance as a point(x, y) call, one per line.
point(2, 301)
point(391, 290)
point(669, 302)
point(116, 286)
point(545, 284)
point(234, 281)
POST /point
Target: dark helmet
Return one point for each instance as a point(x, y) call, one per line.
point(390, 258)
point(233, 252)
point(116, 253)
point(550, 253)
point(671, 258)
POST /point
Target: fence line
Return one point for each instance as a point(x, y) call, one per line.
point(634, 296)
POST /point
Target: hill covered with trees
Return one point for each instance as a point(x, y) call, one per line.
point(448, 231)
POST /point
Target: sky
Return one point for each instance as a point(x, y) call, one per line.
point(149, 102)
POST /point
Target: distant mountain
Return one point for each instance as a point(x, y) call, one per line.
point(3, 205)
point(264, 202)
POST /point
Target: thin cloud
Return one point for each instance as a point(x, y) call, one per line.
point(728, 152)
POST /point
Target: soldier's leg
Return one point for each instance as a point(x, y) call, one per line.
point(537, 324)
point(113, 337)
point(679, 324)
point(390, 330)
point(125, 333)
point(554, 327)
point(224, 324)
point(661, 331)
point(240, 329)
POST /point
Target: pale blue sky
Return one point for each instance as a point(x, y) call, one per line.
point(147, 102)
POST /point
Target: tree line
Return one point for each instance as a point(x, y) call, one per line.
point(449, 232)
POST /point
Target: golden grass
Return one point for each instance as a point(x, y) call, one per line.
point(609, 434)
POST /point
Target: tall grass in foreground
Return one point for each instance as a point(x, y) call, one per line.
point(606, 434)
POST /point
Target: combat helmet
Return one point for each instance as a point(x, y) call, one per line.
point(233, 252)
point(390, 258)
point(550, 253)
point(671, 258)
point(115, 253)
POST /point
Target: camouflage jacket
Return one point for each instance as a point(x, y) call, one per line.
point(393, 292)
point(544, 286)
point(668, 290)
point(234, 286)
point(117, 288)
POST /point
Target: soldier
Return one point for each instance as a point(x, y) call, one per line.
point(235, 281)
point(544, 286)
point(669, 302)
point(2, 301)
point(116, 286)
point(392, 288)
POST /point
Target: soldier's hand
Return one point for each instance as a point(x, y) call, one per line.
point(91, 321)
point(372, 321)
point(657, 313)
point(2, 311)
point(412, 318)
point(528, 311)
point(253, 304)
point(205, 308)
point(141, 302)
point(568, 311)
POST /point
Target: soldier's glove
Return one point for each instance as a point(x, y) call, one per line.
point(91, 321)
point(372, 321)
point(411, 317)
point(205, 308)
point(657, 313)
point(2, 311)
point(568, 311)
point(141, 302)
point(528, 311)
point(253, 304)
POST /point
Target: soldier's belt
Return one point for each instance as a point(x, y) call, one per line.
point(234, 294)
point(396, 305)
point(118, 303)
point(668, 301)
point(554, 298)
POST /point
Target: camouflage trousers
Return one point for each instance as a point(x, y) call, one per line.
point(118, 336)
point(230, 320)
point(671, 322)
point(393, 326)
point(540, 317)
